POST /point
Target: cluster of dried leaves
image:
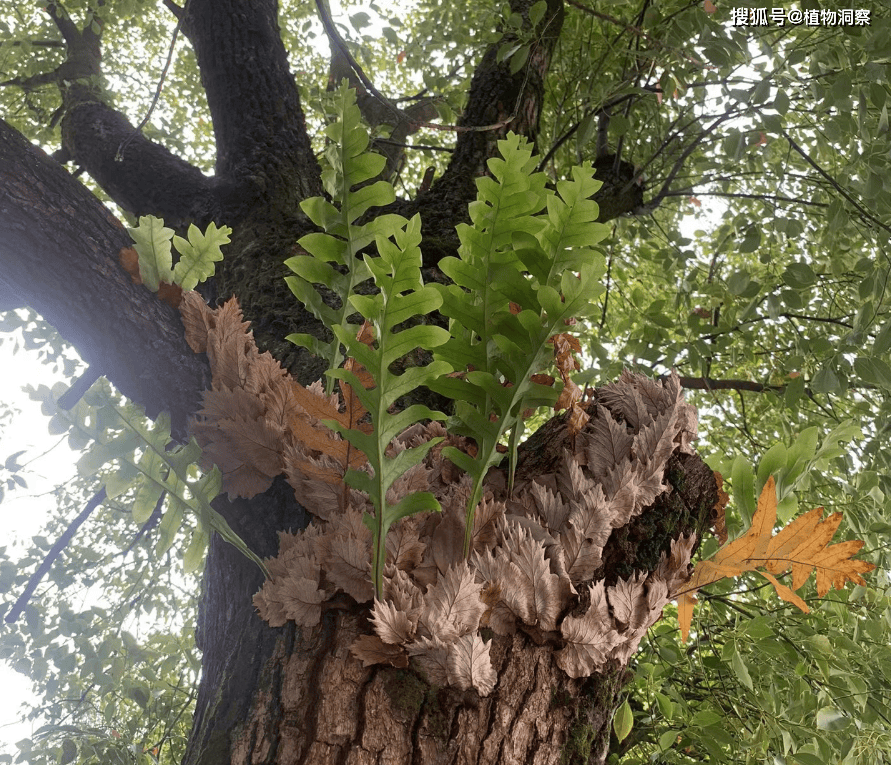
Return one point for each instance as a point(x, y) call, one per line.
point(531, 551)
point(257, 422)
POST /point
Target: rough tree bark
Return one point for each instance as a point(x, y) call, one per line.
point(60, 250)
point(285, 695)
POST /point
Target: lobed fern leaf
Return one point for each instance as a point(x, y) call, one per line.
point(152, 240)
point(131, 454)
point(542, 264)
point(198, 253)
point(397, 274)
point(341, 240)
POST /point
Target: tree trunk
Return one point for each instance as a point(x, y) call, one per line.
point(325, 707)
point(288, 695)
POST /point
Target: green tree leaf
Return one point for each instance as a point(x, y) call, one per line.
point(623, 721)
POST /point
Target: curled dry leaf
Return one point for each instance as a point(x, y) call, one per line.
point(370, 649)
point(432, 657)
point(346, 562)
point(577, 419)
point(293, 591)
point(469, 665)
point(565, 348)
point(129, 259)
point(589, 638)
point(619, 616)
point(453, 606)
point(391, 624)
point(404, 548)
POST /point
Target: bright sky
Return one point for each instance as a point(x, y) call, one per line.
point(23, 511)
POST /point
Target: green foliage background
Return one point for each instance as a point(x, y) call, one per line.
point(776, 141)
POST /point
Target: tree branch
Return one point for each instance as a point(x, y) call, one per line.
point(344, 52)
point(375, 107)
point(710, 383)
point(141, 176)
point(263, 150)
point(834, 183)
point(62, 260)
point(55, 551)
point(690, 190)
point(498, 101)
point(636, 31)
point(679, 163)
point(145, 179)
point(499, 97)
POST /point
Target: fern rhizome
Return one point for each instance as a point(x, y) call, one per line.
point(407, 513)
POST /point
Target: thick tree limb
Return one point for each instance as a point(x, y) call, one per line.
point(59, 250)
point(499, 101)
point(497, 96)
point(260, 129)
point(145, 178)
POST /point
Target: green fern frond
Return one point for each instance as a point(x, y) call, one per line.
point(348, 165)
point(198, 253)
point(131, 454)
point(402, 296)
point(542, 263)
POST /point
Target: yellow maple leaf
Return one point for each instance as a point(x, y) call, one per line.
point(800, 547)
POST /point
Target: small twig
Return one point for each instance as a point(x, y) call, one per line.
point(61, 544)
point(153, 520)
point(142, 123)
point(691, 191)
point(421, 146)
point(32, 82)
point(637, 31)
point(609, 268)
point(170, 725)
point(35, 43)
point(679, 163)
